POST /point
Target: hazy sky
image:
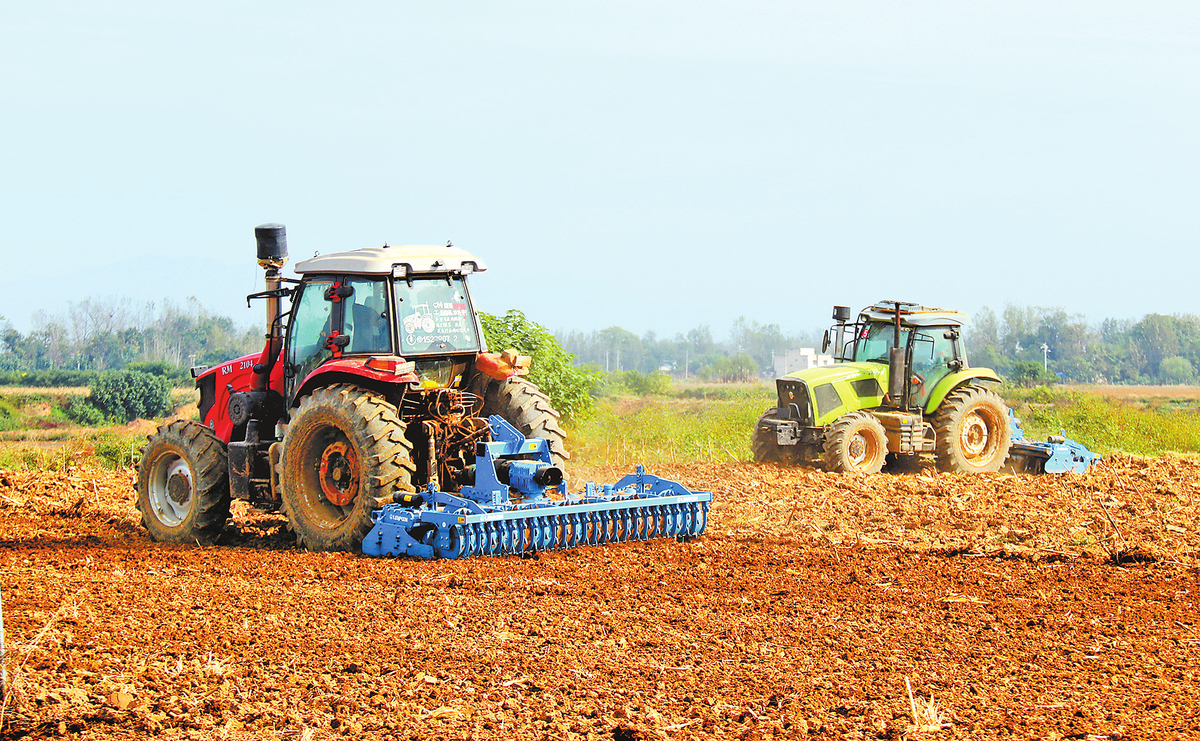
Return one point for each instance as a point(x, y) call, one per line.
point(653, 165)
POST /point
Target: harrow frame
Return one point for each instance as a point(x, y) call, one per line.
point(482, 519)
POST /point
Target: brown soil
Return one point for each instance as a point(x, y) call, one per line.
point(1023, 607)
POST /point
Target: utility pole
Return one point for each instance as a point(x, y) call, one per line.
point(1045, 354)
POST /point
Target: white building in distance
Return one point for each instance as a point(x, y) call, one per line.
point(802, 358)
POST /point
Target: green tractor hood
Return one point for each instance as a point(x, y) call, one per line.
point(834, 390)
point(842, 388)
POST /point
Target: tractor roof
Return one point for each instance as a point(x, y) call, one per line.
point(381, 260)
point(915, 314)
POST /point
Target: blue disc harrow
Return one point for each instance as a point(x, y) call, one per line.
point(450, 529)
point(506, 511)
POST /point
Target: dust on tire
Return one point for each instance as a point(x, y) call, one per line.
point(972, 432)
point(856, 442)
point(359, 426)
point(183, 484)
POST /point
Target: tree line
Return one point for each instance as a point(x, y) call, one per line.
point(747, 353)
point(109, 334)
point(1029, 345)
point(1025, 344)
point(1038, 344)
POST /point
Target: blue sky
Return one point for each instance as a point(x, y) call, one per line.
point(652, 165)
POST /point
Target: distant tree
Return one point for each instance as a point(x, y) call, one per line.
point(731, 369)
point(1029, 373)
point(1177, 370)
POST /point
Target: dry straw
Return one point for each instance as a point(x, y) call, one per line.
point(3, 666)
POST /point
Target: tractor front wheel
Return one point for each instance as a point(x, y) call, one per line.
point(972, 431)
point(344, 455)
point(856, 442)
point(183, 484)
point(523, 405)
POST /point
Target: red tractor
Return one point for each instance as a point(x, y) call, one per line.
point(374, 384)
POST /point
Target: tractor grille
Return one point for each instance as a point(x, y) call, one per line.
point(793, 401)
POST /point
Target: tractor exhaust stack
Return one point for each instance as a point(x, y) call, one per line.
point(896, 367)
point(272, 254)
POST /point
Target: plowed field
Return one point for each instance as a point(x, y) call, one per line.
point(1024, 607)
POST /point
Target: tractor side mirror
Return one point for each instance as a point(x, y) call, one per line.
point(951, 334)
point(825, 342)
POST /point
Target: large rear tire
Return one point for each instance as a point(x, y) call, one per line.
point(856, 443)
point(972, 431)
point(344, 455)
point(524, 406)
point(183, 484)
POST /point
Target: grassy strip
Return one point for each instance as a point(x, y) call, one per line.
point(1146, 426)
point(110, 448)
point(713, 423)
point(708, 423)
point(654, 430)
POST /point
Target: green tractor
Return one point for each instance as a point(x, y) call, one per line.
point(902, 387)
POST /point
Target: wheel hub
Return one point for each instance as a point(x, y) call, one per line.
point(179, 488)
point(974, 436)
point(339, 473)
point(858, 449)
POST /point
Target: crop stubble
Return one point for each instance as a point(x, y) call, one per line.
point(1031, 607)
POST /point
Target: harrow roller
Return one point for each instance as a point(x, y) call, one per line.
point(441, 528)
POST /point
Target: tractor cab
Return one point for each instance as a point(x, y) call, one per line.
point(382, 303)
point(931, 340)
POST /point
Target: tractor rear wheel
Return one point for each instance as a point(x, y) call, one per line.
point(344, 455)
point(856, 442)
point(765, 445)
point(183, 484)
point(525, 407)
point(972, 432)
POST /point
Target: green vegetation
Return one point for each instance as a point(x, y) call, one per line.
point(1031, 345)
point(1105, 425)
point(109, 334)
point(107, 448)
point(751, 348)
point(554, 370)
point(676, 429)
point(712, 422)
point(122, 396)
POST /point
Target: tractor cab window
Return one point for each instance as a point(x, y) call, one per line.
point(366, 321)
point(874, 341)
point(309, 335)
point(434, 316)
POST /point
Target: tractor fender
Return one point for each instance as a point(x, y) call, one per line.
point(353, 371)
point(953, 381)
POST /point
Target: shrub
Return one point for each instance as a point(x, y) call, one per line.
point(553, 368)
point(1029, 373)
point(116, 451)
point(636, 383)
point(176, 376)
point(79, 409)
point(125, 395)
